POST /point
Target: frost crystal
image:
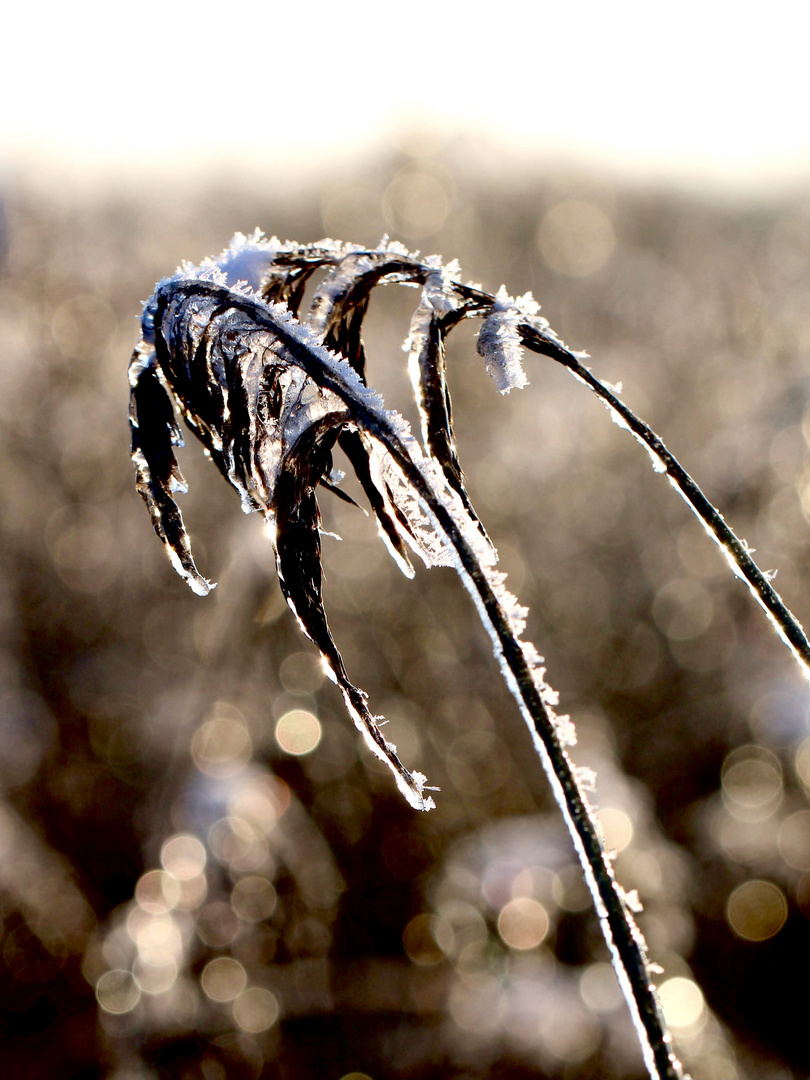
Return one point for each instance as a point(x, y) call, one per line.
point(500, 345)
point(248, 259)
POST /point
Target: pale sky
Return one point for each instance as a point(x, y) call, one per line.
point(715, 93)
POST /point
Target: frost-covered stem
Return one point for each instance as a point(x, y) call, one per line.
point(205, 309)
point(618, 926)
point(623, 938)
point(735, 550)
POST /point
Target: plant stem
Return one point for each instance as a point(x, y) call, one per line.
point(735, 550)
point(623, 937)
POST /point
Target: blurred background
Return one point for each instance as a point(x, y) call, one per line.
point(203, 876)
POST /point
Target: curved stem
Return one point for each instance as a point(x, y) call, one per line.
point(623, 937)
point(618, 926)
point(735, 550)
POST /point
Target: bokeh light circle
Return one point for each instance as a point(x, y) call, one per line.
point(183, 857)
point(253, 898)
point(682, 1002)
point(420, 941)
point(599, 988)
point(221, 747)
point(157, 892)
point(752, 783)
point(617, 828)
point(794, 840)
point(255, 1010)
point(576, 238)
point(523, 923)
point(117, 992)
point(223, 979)
point(298, 732)
point(757, 910)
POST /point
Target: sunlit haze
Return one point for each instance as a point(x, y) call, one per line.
point(206, 869)
point(712, 94)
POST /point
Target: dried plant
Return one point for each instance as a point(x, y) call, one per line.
point(270, 394)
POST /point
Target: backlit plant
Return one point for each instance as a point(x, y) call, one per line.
point(271, 392)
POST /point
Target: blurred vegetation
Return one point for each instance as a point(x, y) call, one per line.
point(202, 873)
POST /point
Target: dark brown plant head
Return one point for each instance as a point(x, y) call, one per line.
point(270, 396)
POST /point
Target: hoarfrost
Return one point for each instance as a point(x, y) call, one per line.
point(658, 464)
point(410, 784)
point(631, 898)
point(334, 286)
point(419, 535)
point(566, 732)
point(437, 299)
point(533, 657)
point(499, 344)
point(586, 778)
point(142, 360)
point(248, 259)
point(617, 418)
point(394, 247)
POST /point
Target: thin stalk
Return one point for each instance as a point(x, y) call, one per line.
point(621, 934)
point(735, 550)
point(623, 937)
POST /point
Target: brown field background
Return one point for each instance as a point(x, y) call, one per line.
point(181, 896)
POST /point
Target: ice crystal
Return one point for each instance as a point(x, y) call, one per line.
point(500, 345)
